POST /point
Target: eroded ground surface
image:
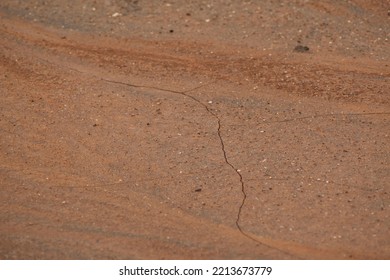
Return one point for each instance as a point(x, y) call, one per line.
point(177, 130)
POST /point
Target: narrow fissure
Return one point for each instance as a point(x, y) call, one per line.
point(215, 116)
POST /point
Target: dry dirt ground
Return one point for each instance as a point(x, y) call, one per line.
point(194, 129)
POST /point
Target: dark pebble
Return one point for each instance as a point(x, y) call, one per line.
point(301, 49)
point(198, 190)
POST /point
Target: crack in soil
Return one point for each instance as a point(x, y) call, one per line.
point(215, 116)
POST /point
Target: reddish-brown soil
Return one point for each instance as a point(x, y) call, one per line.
point(194, 129)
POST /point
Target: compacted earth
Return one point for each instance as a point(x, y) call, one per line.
point(194, 129)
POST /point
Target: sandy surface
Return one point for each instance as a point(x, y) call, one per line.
point(194, 129)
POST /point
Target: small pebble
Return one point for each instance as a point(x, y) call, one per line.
point(301, 49)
